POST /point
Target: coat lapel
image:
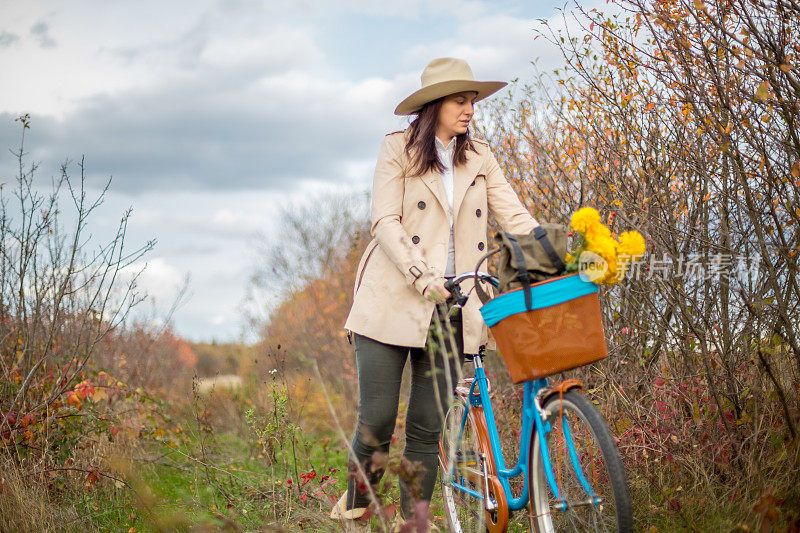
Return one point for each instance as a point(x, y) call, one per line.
point(462, 179)
point(434, 182)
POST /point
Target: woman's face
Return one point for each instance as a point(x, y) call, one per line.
point(456, 112)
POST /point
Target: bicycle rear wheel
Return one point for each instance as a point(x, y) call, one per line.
point(465, 513)
point(574, 416)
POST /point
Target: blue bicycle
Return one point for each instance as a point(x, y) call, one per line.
point(572, 478)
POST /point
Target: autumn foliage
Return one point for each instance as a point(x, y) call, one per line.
point(677, 118)
point(680, 118)
point(76, 374)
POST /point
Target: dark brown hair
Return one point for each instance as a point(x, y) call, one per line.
point(421, 145)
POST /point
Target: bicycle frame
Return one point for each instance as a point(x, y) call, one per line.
point(531, 417)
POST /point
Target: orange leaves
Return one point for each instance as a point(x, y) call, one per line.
point(30, 418)
point(84, 388)
point(186, 355)
point(626, 99)
point(74, 400)
point(764, 91)
point(796, 169)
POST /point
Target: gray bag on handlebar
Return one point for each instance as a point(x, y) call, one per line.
point(525, 259)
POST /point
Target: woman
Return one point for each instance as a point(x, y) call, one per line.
point(433, 190)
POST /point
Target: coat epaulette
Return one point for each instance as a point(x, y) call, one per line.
point(480, 141)
point(398, 131)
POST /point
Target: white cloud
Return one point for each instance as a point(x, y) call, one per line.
point(210, 114)
point(369, 91)
point(158, 278)
point(268, 50)
point(219, 320)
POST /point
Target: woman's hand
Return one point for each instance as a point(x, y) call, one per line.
point(436, 292)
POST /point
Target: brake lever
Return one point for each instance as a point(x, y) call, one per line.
point(459, 298)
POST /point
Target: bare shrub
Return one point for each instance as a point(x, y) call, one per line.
point(680, 119)
point(63, 295)
point(310, 266)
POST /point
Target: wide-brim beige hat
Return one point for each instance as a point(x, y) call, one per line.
point(443, 76)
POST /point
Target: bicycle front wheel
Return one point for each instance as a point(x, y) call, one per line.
point(573, 417)
point(460, 466)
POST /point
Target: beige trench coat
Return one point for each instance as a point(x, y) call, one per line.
point(411, 230)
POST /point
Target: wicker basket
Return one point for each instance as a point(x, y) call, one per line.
point(563, 329)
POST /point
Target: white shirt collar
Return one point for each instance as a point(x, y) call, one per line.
point(440, 145)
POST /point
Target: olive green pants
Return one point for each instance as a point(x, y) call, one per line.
point(380, 371)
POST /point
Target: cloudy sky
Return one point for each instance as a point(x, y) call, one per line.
point(209, 115)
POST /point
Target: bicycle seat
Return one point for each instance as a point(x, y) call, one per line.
point(463, 388)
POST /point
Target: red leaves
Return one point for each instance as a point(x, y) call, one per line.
point(767, 507)
point(9, 418)
point(29, 419)
point(388, 511)
point(91, 479)
point(306, 477)
point(420, 521)
point(85, 388)
point(379, 461)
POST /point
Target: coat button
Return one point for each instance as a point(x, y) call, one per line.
point(478, 213)
point(421, 204)
point(480, 246)
point(415, 240)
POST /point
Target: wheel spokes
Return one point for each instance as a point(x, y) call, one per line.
point(571, 433)
point(459, 449)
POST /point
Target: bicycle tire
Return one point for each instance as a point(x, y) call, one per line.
point(464, 513)
point(604, 472)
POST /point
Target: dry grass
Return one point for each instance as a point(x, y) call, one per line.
point(26, 504)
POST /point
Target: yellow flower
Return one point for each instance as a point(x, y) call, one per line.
point(616, 271)
point(631, 243)
point(584, 218)
point(592, 266)
point(605, 246)
point(601, 243)
point(596, 233)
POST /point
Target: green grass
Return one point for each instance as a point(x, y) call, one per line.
point(186, 487)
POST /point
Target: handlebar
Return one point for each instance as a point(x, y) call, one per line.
point(480, 275)
point(454, 285)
